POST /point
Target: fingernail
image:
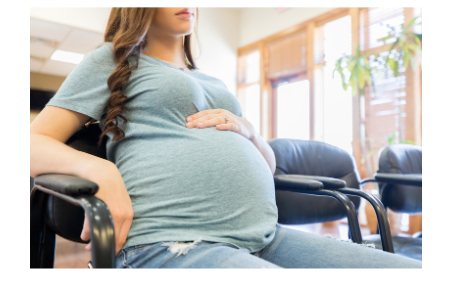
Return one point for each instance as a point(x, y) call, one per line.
point(189, 124)
point(189, 118)
point(200, 125)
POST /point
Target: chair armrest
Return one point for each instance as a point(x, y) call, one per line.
point(299, 184)
point(67, 184)
point(296, 182)
point(402, 179)
point(328, 182)
point(79, 192)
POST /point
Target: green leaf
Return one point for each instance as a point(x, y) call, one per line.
point(391, 139)
point(405, 57)
point(408, 142)
point(410, 23)
point(413, 63)
point(351, 65)
point(394, 44)
point(391, 63)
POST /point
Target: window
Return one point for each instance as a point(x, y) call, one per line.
point(293, 110)
point(384, 108)
point(286, 56)
point(249, 87)
point(333, 114)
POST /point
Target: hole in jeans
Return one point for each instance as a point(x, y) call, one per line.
point(181, 247)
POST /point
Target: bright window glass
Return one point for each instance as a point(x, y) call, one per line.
point(333, 106)
point(293, 110)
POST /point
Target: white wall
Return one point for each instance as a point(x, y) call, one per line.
point(218, 37)
point(258, 23)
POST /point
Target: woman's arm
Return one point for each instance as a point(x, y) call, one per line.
point(265, 150)
point(216, 117)
point(49, 154)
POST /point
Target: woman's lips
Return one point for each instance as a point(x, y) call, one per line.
point(184, 15)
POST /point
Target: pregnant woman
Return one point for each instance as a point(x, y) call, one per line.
point(188, 180)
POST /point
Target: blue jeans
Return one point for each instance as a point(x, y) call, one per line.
point(289, 249)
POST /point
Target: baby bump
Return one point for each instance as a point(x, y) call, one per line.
point(199, 170)
point(227, 161)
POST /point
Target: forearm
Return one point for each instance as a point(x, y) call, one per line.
point(266, 151)
point(48, 155)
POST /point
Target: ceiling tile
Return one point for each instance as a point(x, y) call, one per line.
point(35, 64)
point(81, 41)
point(47, 30)
point(57, 68)
point(41, 49)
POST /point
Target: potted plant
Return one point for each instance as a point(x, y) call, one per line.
point(358, 72)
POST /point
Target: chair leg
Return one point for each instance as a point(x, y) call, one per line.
point(42, 237)
point(100, 220)
point(382, 216)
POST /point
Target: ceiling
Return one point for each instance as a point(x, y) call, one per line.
point(46, 37)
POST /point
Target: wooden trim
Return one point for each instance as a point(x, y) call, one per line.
point(330, 16)
point(354, 13)
point(245, 85)
point(248, 48)
point(376, 50)
point(262, 85)
point(413, 96)
point(274, 111)
point(366, 27)
point(310, 76)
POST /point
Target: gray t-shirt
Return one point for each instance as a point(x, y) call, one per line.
point(184, 183)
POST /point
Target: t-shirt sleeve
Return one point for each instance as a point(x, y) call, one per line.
point(85, 89)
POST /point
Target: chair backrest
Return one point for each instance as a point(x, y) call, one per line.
point(64, 218)
point(307, 157)
point(401, 159)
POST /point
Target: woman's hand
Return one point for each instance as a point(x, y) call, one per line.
point(113, 192)
point(216, 117)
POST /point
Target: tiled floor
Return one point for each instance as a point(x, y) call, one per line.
point(73, 255)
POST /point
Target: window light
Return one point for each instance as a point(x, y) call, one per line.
point(67, 57)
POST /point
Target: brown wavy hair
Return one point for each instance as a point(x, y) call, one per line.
point(127, 29)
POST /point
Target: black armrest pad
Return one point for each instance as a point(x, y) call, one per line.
point(402, 179)
point(67, 184)
point(296, 182)
point(328, 182)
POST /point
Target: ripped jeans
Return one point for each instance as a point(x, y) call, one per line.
point(290, 248)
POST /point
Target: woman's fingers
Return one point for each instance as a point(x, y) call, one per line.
point(85, 235)
point(195, 123)
point(203, 113)
point(209, 120)
point(212, 122)
point(230, 126)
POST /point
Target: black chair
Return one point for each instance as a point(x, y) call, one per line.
point(399, 180)
point(336, 169)
point(58, 204)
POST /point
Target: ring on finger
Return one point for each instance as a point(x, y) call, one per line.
point(227, 120)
